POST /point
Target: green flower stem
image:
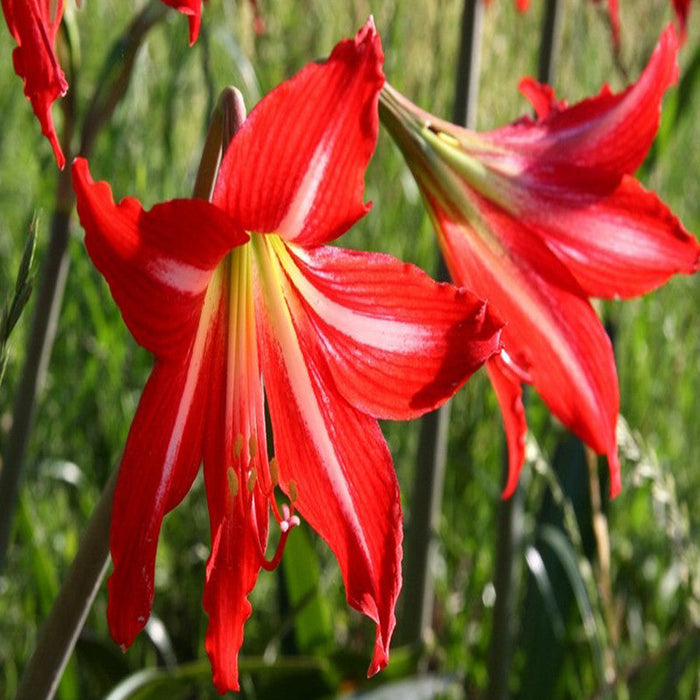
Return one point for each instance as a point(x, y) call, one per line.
point(431, 457)
point(43, 673)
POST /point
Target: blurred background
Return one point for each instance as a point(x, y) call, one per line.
point(606, 595)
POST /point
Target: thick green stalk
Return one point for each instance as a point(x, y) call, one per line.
point(431, 458)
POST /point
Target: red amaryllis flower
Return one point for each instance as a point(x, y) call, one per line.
point(34, 25)
point(242, 304)
point(537, 217)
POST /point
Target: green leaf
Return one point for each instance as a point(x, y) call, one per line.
point(302, 574)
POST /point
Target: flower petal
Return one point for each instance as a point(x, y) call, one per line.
point(397, 343)
point(609, 132)
point(510, 398)
point(161, 459)
point(618, 242)
point(344, 481)
point(158, 263)
point(34, 24)
point(297, 165)
point(552, 333)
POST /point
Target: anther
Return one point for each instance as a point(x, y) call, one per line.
point(252, 446)
point(232, 482)
point(252, 477)
point(292, 486)
point(274, 472)
point(238, 446)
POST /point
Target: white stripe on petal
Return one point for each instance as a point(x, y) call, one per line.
point(383, 333)
point(193, 369)
point(178, 275)
point(302, 203)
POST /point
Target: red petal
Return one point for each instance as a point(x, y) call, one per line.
point(345, 482)
point(158, 263)
point(551, 331)
point(397, 343)
point(610, 132)
point(160, 461)
point(34, 28)
point(510, 399)
point(618, 242)
point(297, 165)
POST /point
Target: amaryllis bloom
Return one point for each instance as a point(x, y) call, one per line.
point(540, 215)
point(243, 305)
point(34, 25)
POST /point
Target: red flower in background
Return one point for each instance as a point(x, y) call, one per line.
point(34, 25)
point(242, 304)
point(540, 215)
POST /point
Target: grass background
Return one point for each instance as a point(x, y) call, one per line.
point(644, 625)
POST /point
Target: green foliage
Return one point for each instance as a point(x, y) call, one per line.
point(633, 634)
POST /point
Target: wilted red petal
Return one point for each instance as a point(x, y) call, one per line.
point(158, 263)
point(34, 24)
point(193, 10)
point(397, 343)
point(552, 333)
point(297, 165)
point(344, 481)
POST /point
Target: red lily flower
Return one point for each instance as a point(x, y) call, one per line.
point(536, 217)
point(34, 25)
point(241, 303)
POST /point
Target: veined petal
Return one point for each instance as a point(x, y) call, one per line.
point(344, 483)
point(621, 242)
point(297, 165)
point(34, 24)
point(161, 459)
point(610, 132)
point(236, 471)
point(397, 343)
point(552, 333)
point(157, 263)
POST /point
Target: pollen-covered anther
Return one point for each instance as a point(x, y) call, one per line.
point(238, 446)
point(274, 472)
point(252, 447)
point(292, 487)
point(233, 485)
point(252, 478)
